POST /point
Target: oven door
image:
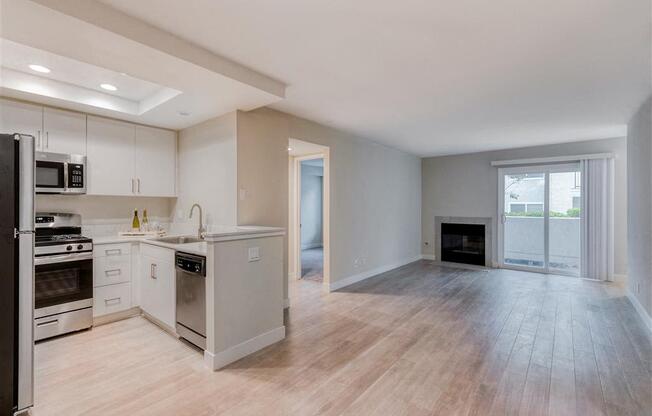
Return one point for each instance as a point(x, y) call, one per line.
point(63, 283)
point(50, 177)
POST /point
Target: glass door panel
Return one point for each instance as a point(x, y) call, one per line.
point(523, 219)
point(564, 227)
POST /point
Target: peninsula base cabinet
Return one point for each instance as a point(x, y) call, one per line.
point(158, 284)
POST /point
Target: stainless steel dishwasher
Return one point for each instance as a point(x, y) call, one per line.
point(191, 298)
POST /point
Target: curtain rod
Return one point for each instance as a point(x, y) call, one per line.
point(571, 158)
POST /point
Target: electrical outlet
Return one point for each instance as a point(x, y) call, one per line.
point(254, 254)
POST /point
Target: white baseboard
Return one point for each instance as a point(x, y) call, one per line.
point(641, 310)
point(347, 281)
point(286, 303)
point(230, 355)
point(428, 257)
point(116, 316)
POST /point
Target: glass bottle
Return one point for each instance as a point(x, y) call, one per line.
point(145, 221)
point(135, 223)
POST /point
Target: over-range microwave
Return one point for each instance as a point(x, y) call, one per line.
point(58, 173)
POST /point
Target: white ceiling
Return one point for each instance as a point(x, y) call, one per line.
point(161, 80)
point(435, 76)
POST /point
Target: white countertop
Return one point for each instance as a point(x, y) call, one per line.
point(199, 248)
point(213, 234)
point(241, 232)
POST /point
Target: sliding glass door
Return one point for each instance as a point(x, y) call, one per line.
point(539, 227)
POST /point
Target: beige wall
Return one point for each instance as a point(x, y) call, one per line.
point(467, 186)
point(639, 151)
point(207, 173)
point(375, 191)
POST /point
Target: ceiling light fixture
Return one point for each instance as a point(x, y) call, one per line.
point(184, 113)
point(39, 68)
point(109, 87)
point(290, 149)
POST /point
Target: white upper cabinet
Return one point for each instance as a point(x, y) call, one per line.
point(156, 151)
point(17, 117)
point(64, 132)
point(110, 158)
point(125, 159)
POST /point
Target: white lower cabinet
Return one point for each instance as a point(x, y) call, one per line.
point(112, 278)
point(157, 284)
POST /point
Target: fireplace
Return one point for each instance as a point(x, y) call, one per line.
point(463, 243)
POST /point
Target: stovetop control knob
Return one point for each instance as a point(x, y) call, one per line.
point(69, 248)
point(80, 247)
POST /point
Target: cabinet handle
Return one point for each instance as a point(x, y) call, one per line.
point(152, 271)
point(133, 186)
point(112, 301)
point(46, 323)
point(47, 139)
point(138, 182)
point(113, 272)
point(38, 140)
point(113, 252)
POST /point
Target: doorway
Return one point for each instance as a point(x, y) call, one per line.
point(309, 213)
point(540, 226)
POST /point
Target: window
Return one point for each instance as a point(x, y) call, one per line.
point(518, 207)
point(577, 202)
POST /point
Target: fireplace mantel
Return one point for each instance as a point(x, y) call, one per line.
point(488, 234)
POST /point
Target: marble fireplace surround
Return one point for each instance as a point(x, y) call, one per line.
point(488, 236)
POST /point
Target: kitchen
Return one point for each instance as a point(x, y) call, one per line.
point(113, 211)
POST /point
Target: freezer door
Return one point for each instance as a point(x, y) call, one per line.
point(27, 170)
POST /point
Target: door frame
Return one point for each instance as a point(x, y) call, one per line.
point(296, 204)
point(546, 170)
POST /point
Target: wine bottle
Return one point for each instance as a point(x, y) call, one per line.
point(135, 224)
point(145, 221)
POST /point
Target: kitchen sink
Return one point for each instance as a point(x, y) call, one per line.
point(179, 239)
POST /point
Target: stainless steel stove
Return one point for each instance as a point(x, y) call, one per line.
point(63, 288)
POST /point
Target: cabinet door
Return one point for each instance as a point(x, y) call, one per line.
point(156, 151)
point(158, 297)
point(65, 131)
point(110, 155)
point(16, 117)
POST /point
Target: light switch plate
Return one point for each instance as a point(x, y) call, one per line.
point(254, 253)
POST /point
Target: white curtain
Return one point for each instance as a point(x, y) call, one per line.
point(596, 219)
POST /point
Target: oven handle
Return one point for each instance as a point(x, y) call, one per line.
point(62, 258)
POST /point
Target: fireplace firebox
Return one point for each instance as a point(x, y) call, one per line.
point(463, 243)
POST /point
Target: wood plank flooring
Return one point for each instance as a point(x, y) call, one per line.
point(419, 340)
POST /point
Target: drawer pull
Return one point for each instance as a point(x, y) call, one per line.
point(152, 271)
point(46, 323)
point(113, 272)
point(112, 301)
point(113, 252)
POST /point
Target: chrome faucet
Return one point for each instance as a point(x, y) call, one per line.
point(201, 228)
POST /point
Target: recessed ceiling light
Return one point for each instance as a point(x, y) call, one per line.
point(290, 149)
point(39, 68)
point(109, 87)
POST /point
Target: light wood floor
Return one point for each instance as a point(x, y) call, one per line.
point(420, 340)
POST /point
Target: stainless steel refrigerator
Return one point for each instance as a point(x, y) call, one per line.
point(16, 273)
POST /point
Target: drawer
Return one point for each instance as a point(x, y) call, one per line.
point(165, 255)
point(112, 298)
point(111, 270)
point(108, 250)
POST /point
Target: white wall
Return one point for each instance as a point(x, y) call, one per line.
point(375, 192)
point(311, 205)
point(467, 186)
point(207, 174)
point(106, 215)
point(639, 173)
